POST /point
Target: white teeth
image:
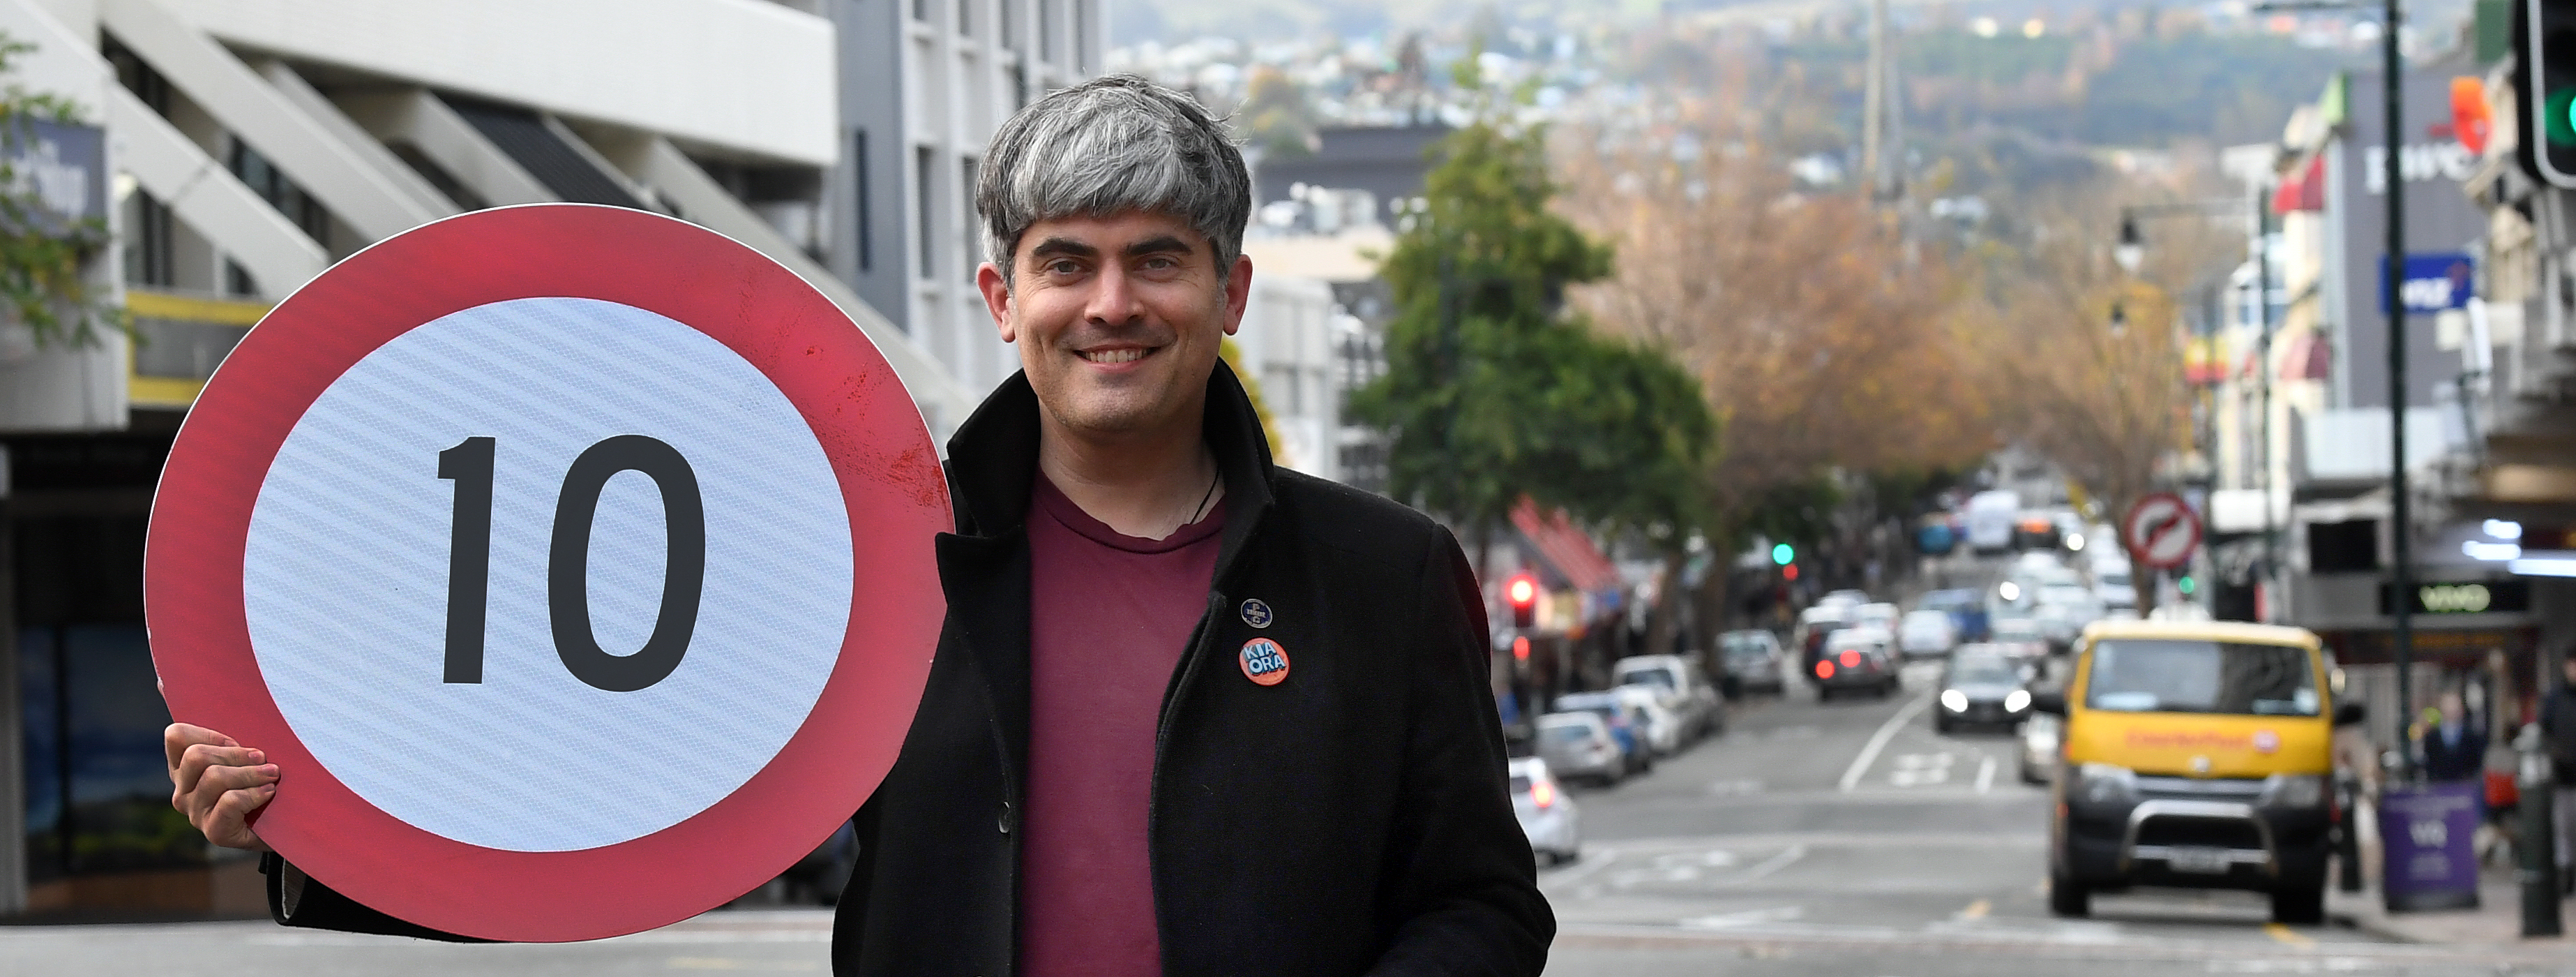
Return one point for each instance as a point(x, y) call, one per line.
point(1115, 356)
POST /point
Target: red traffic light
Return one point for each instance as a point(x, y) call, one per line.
point(1789, 572)
point(1521, 591)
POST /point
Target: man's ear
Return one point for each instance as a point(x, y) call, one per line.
point(997, 299)
point(1238, 293)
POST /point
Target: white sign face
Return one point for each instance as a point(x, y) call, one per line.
point(543, 415)
point(2161, 530)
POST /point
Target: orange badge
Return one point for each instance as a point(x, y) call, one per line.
point(1264, 662)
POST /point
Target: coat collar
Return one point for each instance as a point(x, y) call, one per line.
point(993, 460)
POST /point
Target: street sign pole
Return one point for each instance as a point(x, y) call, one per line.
point(2399, 551)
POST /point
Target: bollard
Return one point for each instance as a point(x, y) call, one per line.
point(2537, 845)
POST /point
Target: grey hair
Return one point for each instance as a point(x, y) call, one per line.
point(1114, 144)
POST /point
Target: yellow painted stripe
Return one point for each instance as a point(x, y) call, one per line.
point(162, 305)
point(163, 391)
point(2287, 935)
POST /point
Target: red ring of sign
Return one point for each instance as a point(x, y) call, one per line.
point(867, 424)
point(2129, 529)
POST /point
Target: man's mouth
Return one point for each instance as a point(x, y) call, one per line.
point(1124, 354)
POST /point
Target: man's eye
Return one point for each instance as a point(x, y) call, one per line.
point(1063, 268)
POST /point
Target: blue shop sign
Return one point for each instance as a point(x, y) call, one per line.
point(2434, 282)
point(57, 169)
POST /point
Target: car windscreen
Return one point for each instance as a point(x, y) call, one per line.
point(2184, 675)
point(1656, 675)
point(1983, 671)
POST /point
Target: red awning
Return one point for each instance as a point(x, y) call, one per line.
point(1565, 547)
point(2304, 189)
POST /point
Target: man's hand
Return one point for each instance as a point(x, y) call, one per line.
point(217, 783)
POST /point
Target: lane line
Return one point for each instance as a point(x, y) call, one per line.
point(2287, 935)
point(1986, 775)
point(1878, 741)
point(1770, 865)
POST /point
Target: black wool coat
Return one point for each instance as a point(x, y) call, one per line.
point(1352, 819)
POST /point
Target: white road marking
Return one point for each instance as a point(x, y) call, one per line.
point(1731, 788)
point(1986, 775)
point(1749, 917)
point(1878, 741)
point(1772, 864)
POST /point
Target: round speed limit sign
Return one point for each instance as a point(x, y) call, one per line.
point(574, 564)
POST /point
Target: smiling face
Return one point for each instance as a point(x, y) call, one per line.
point(1117, 320)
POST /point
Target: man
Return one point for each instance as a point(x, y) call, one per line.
point(2558, 732)
point(1190, 713)
point(2452, 750)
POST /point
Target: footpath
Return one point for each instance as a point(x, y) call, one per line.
point(2496, 922)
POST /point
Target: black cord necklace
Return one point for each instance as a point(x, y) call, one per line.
point(1199, 511)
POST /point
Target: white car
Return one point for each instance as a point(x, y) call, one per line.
point(1664, 730)
point(1550, 818)
point(1926, 634)
point(2039, 734)
point(1881, 616)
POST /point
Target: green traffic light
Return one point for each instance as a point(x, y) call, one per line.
point(1783, 554)
point(2558, 117)
point(2186, 586)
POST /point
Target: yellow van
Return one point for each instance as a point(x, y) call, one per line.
point(2195, 753)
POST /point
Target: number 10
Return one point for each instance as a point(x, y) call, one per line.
point(684, 570)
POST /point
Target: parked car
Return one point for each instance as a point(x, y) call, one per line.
point(1926, 633)
point(1685, 692)
point(1581, 744)
point(2113, 586)
point(1551, 819)
point(1862, 659)
point(1982, 686)
point(1628, 721)
point(1666, 731)
point(1754, 662)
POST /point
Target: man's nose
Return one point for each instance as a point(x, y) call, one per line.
point(1115, 301)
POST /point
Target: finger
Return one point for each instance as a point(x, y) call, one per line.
point(202, 757)
point(219, 781)
point(178, 737)
point(228, 823)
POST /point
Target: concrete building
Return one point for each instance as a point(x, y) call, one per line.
point(923, 85)
point(234, 148)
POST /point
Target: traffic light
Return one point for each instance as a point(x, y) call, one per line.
point(1783, 554)
point(2545, 83)
point(2186, 585)
point(1521, 591)
point(1789, 572)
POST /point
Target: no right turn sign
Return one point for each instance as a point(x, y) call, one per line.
point(2161, 531)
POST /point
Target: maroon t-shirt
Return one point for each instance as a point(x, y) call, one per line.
point(1109, 615)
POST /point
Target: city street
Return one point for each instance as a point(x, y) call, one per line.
point(1833, 838)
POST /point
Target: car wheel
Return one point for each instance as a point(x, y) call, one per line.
point(2300, 905)
point(2067, 897)
point(1824, 693)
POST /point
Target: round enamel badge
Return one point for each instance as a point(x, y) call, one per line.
point(1256, 612)
point(1264, 662)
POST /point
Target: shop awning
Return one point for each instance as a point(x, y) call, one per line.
point(1566, 548)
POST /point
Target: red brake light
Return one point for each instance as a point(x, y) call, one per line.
point(1824, 669)
point(1542, 793)
point(1851, 659)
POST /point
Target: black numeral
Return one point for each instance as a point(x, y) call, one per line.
point(684, 568)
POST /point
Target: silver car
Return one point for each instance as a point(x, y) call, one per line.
point(1579, 744)
point(1549, 817)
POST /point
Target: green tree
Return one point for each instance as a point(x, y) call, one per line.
point(1492, 393)
point(42, 284)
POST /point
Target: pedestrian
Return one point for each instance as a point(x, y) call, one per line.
point(1190, 713)
point(2558, 733)
point(2452, 749)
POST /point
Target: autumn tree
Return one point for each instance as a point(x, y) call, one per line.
point(1815, 329)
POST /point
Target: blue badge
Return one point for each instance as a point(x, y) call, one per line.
point(1256, 613)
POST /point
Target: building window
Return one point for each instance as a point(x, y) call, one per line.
point(921, 10)
point(272, 185)
point(925, 161)
point(866, 224)
point(1009, 16)
point(148, 248)
point(974, 228)
point(1046, 29)
point(965, 17)
point(1019, 85)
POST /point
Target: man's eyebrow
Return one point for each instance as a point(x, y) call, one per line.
point(1164, 244)
point(1060, 246)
